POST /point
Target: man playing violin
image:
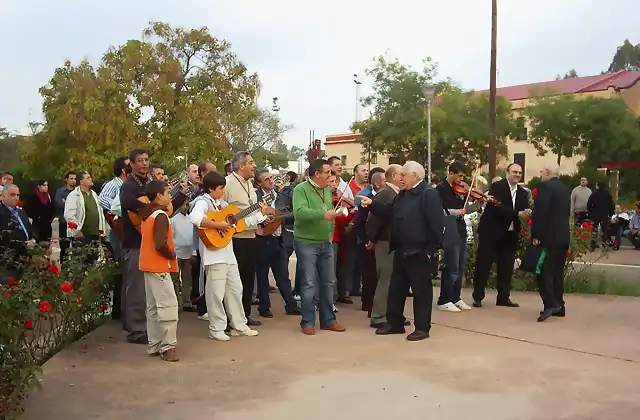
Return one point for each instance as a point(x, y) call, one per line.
point(455, 239)
point(498, 236)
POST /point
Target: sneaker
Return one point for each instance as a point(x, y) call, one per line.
point(246, 333)
point(204, 317)
point(448, 307)
point(297, 298)
point(461, 305)
point(219, 335)
point(335, 310)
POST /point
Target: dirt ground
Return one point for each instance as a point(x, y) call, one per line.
point(490, 363)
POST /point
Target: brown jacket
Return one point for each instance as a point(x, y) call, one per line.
point(377, 226)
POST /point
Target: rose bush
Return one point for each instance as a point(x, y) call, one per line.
point(43, 312)
point(579, 246)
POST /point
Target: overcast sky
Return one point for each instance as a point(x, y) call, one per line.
point(306, 52)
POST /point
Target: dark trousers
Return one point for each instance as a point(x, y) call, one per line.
point(245, 251)
point(197, 293)
point(503, 253)
point(64, 242)
point(411, 271)
point(272, 256)
point(369, 278)
point(604, 231)
point(551, 277)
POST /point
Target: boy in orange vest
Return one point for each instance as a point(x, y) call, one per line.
point(157, 262)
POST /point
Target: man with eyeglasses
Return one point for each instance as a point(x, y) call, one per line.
point(498, 236)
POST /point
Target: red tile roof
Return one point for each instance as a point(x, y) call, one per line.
point(620, 80)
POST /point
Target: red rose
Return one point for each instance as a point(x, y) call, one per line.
point(585, 235)
point(102, 308)
point(19, 203)
point(66, 287)
point(523, 233)
point(28, 324)
point(13, 282)
point(85, 347)
point(7, 292)
point(45, 306)
point(534, 192)
point(568, 254)
point(54, 269)
point(72, 225)
point(529, 222)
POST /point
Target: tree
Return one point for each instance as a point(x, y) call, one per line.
point(627, 57)
point(553, 122)
point(10, 155)
point(571, 74)
point(398, 123)
point(262, 130)
point(295, 152)
point(196, 94)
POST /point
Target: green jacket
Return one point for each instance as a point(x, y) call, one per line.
point(308, 212)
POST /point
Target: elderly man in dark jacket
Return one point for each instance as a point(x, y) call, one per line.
point(16, 235)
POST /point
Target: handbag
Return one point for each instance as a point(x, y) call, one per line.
point(531, 258)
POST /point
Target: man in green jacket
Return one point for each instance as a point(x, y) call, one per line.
point(312, 230)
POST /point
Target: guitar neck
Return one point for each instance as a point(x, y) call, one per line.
point(246, 212)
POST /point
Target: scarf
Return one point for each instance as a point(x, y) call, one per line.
point(44, 197)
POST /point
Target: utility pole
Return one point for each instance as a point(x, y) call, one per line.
point(492, 91)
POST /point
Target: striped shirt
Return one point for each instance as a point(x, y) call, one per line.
point(109, 192)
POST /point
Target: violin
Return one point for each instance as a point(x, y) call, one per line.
point(474, 194)
point(346, 201)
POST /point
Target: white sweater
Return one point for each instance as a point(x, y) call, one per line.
point(74, 211)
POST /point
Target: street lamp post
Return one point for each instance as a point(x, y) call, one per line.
point(275, 108)
point(429, 92)
point(357, 82)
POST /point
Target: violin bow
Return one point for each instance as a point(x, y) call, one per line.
point(473, 181)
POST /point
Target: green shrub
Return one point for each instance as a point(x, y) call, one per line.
point(45, 311)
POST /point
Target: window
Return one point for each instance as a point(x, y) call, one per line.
point(344, 160)
point(519, 158)
point(521, 129)
point(396, 160)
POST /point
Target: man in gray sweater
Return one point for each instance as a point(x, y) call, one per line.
point(579, 198)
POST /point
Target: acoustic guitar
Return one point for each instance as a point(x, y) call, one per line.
point(267, 228)
point(135, 219)
point(215, 238)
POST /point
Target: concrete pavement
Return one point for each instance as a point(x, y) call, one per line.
point(490, 363)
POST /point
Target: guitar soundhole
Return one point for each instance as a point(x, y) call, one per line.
point(231, 220)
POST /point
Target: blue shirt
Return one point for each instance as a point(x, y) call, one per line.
point(16, 214)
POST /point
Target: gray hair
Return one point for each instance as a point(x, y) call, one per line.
point(6, 188)
point(496, 179)
point(552, 169)
point(238, 159)
point(377, 178)
point(258, 176)
point(414, 167)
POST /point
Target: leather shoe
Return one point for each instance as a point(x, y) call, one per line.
point(294, 312)
point(334, 327)
point(253, 322)
point(477, 304)
point(266, 314)
point(547, 313)
point(561, 313)
point(418, 335)
point(509, 304)
point(387, 330)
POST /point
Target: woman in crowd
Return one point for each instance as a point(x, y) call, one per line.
point(41, 210)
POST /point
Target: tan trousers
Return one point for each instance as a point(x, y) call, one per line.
point(223, 283)
point(162, 312)
point(384, 263)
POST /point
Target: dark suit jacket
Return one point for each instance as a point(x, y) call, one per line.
point(377, 225)
point(495, 220)
point(283, 204)
point(12, 238)
point(551, 209)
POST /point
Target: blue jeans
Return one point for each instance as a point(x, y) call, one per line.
point(271, 258)
point(315, 269)
point(455, 262)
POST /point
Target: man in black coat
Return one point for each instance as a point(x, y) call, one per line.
point(550, 230)
point(499, 235)
point(417, 228)
point(16, 235)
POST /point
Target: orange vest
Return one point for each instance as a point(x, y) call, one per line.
point(150, 260)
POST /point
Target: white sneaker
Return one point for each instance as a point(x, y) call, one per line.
point(335, 310)
point(461, 305)
point(247, 333)
point(204, 317)
point(220, 336)
point(297, 298)
point(448, 307)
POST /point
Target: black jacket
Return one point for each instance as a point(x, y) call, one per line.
point(13, 250)
point(451, 200)
point(600, 205)
point(551, 209)
point(495, 221)
point(417, 221)
point(282, 203)
point(377, 226)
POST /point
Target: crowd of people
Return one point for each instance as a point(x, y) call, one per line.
point(377, 236)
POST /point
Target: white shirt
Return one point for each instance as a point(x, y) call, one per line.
point(211, 256)
point(182, 236)
point(514, 193)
